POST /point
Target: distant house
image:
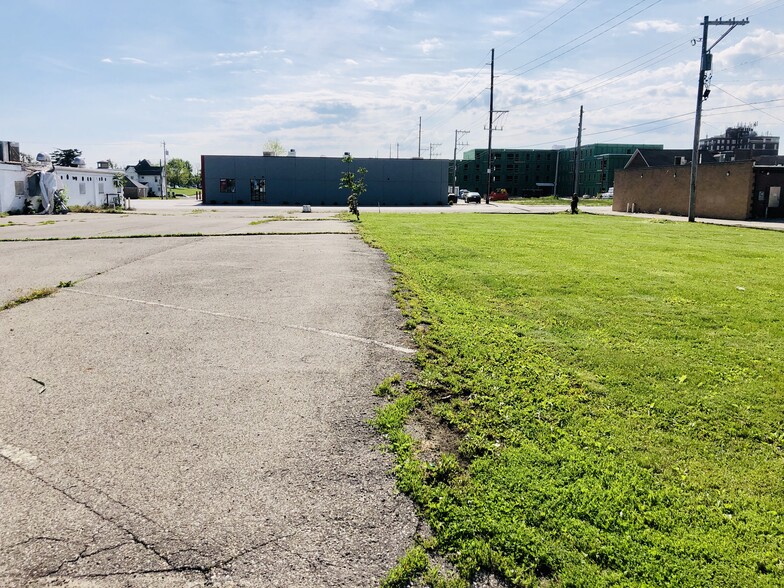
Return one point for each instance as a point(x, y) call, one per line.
point(133, 189)
point(148, 175)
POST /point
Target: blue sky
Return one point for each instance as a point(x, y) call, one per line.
point(225, 76)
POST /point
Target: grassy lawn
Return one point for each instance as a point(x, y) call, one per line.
point(617, 390)
point(184, 191)
point(550, 200)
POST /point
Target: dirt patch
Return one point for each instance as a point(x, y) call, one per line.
point(434, 436)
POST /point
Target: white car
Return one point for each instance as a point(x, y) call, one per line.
point(473, 197)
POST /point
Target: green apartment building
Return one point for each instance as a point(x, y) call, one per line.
point(598, 163)
point(541, 172)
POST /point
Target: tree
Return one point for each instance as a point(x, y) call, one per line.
point(65, 157)
point(178, 172)
point(275, 147)
point(354, 183)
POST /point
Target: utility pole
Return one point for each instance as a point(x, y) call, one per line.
point(432, 149)
point(163, 172)
point(419, 147)
point(490, 130)
point(577, 154)
point(458, 136)
point(706, 63)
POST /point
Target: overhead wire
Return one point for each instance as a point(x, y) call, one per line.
point(746, 103)
point(580, 37)
point(543, 29)
point(576, 91)
point(660, 54)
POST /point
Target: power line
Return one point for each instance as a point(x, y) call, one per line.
point(543, 29)
point(582, 36)
point(626, 74)
point(747, 104)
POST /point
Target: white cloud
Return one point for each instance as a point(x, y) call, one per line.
point(106, 60)
point(386, 5)
point(350, 62)
point(239, 54)
point(427, 46)
point(658, 26)
point(133, 60)
point(758, 44)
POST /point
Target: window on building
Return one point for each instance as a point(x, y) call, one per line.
point(82, 188)
point(19, 187)
point(228, 185)
point(100, 188)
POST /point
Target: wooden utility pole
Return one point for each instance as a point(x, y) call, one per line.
point(577, 155)
point(706, 61)
point(458, 136)
point(490, 131)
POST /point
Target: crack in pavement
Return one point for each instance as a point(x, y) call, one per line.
point(140, 529)
point(34, 540)
point(364, 340)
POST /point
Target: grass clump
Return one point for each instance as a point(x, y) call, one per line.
point(29, 297)
point(617, 390)
point(266, 220)
point(91, 208)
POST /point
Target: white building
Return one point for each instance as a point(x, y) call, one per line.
point(148, 175)
point(82, 186)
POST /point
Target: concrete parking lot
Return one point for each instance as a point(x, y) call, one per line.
point(191, 407)
point(193, 410)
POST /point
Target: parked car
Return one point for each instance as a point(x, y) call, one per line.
point(473, 197)
point(451, 198)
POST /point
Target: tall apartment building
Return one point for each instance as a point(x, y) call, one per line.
point(740, 143)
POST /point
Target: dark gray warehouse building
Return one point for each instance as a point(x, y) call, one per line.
point(291, 180)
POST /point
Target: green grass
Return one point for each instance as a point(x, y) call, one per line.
point(29, 297)
point(91, 208)
point(550, 200)
point(617, 387)
point(185, 191)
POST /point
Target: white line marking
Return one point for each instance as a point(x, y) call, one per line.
point(17, 456)
point(365, 340)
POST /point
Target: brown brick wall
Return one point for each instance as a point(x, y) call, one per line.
point(724, 190)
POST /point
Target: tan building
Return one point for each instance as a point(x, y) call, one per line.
point(735, 190)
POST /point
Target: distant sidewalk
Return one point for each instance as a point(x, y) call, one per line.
point(770, 225)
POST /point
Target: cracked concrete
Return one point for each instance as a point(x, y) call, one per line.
point(189, 434)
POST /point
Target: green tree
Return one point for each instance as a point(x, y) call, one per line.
point(354, 182)
point(65, 157)
point(178, 172)
point(275, 147)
